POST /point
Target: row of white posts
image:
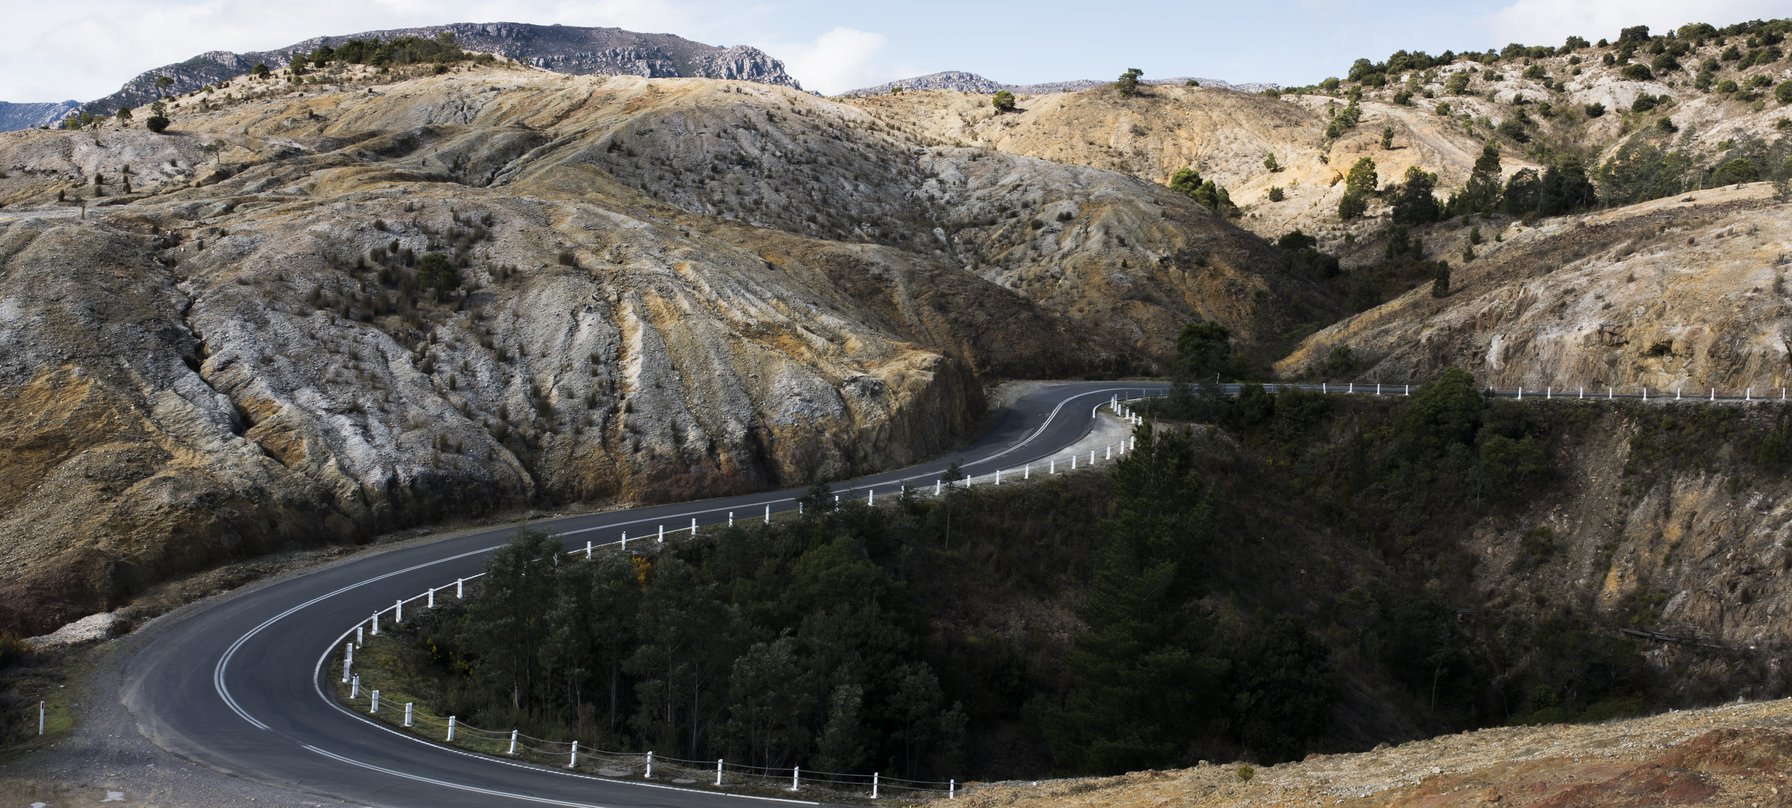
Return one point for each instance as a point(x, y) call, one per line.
point(1580, 393)
point(372, 626)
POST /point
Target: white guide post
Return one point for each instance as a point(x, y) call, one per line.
point(649, 774)
point(1054, 466)
point(348, 661)
point(1108, 452)
point(874, 776)
point(376, 624)
point(718, 772)
point(625, 540)
point(573, 762)
point(693, 526)
point(662, 534)
point(731, 518)
point(795, 777)
point(376, 701)
point(354, 687)
point(1073, 462)
point(936, 487)
point(450, 729)
point(1027, 473)
point(358, 632)
point(432, 597)
point(459, 593)
point(768, 514)
point(998, 476)
point(1521, 393)
point(871, 496)
point(512, 750)
point(587, 549)
point(407, 712)
point(952, 789)
point(398, 612)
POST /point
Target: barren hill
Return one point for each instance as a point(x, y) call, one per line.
point(332, 308)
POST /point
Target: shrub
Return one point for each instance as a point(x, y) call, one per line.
point(1276, 194)
point(1003, 101)
point(157, 124)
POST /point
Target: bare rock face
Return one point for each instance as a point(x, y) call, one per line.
point(1681, 294)
point(317, 313)
point(562, 49)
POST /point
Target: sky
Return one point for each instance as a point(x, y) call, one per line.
point(84, 49)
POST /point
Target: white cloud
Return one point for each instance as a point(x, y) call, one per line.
point(841, 59)
point(1546, 22)
point(87, 49)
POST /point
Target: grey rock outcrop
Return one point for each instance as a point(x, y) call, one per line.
point(559, 48)
point(15, 116)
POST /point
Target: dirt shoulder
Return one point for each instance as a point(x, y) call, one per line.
point(1733, 755)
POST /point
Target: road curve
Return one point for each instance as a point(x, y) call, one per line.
point(235, 685)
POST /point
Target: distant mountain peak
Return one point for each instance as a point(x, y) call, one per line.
point(559, 48)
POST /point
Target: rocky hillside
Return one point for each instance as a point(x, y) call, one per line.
point(1686, 292)
point(562, 49)
point(329, 309)
point(31, 116)
point(1640, 291)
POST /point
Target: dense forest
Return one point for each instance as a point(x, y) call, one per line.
point(1279, 579)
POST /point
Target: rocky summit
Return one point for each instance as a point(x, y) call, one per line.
point(563, 49)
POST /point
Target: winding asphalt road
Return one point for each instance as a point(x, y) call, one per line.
point(237, 685)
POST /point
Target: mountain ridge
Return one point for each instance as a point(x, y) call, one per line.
point(565, 49)
point(966, 82)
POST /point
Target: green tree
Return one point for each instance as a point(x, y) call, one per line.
point(843, 743)
point(770, 698)
point(1415, 201)
point(124, 115)
point(1128, 84)
point(1566, 189)
point(1003, 101)
point(689, 640)
point(259, 71)
point(1210, 194)
point(436, 272)
point(1523, 193)
point(1387, 138)
point(1269, 162)
point(1140, 686)
point(1783, 93)
point(1203, 349)
point(157, 124)
point(1361, 180)
point(1352, 206)
point(508, 622)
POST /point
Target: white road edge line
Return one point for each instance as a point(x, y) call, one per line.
point(223, 690)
